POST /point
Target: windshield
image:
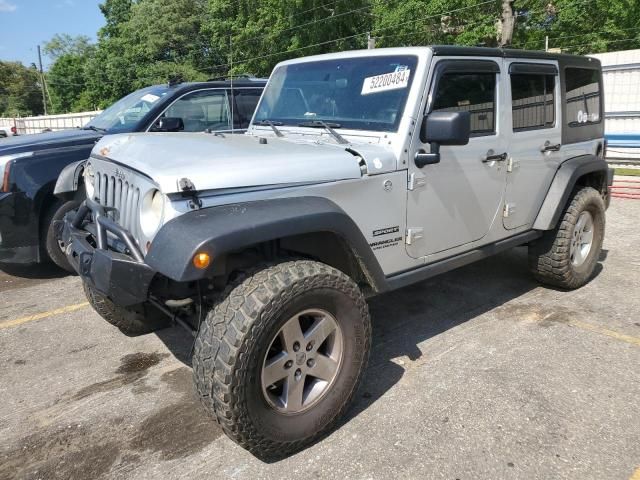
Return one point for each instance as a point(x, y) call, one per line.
point(367, 93)
point(126, 113)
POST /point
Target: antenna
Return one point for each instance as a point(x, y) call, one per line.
point(232, 99)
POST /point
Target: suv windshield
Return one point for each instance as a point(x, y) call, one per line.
point(126, 113)
point(366, 93)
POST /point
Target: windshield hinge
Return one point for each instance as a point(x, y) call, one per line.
point(189, 191)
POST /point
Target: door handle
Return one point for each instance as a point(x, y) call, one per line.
point(491, 156)
point(548, 147)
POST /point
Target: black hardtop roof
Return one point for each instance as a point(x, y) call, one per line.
point(455, 50)
point(239, 83)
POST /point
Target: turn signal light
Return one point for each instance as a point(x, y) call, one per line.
point(201, 260)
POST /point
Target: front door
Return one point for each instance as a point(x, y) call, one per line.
point(455, 202)
point(535, 137)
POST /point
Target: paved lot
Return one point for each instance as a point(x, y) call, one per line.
point(478, 374)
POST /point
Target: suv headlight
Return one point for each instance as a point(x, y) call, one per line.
point(151, 212)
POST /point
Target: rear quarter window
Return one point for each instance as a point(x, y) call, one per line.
point(583, 96)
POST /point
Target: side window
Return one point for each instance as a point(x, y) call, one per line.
point(205, 109)
point(246, 102)
point(583, 96)
point(533, 101)
point(472, 92)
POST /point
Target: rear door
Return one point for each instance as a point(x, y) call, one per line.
point(535, 138)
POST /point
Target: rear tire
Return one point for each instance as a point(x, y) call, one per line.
point(245, 333)
point(566, 256)
point(51, 245)
point(132, 321)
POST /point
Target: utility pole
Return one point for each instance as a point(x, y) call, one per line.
point(371, 41)
point(546, 43)
point(42, 84)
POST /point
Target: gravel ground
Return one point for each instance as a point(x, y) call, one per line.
point(476, 374)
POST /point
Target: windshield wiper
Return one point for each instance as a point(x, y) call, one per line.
point(95, 129)
point(329, 127)
point(272, 124)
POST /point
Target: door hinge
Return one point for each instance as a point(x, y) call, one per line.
point(512, 165)
point(415, 182)
point(413, 234)
point(509, 209)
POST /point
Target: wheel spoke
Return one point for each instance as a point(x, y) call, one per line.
point(325, 368)
point(291, 333)
point(580, 224)
point(275, 370)
point(294, 393)
point(319, 331)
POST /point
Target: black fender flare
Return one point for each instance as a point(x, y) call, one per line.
point(563, 184)
point(68, 180)
point(229, 228)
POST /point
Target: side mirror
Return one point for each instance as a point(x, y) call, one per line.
point(442, 128)
point(168, 124)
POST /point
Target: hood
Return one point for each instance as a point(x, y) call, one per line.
point(49, 140)
point(232, 161)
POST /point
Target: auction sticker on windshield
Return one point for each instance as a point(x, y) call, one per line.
point(386, 81)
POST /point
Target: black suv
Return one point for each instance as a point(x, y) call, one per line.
point(30, 164)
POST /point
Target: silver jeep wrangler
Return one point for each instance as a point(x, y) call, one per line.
point(361, 172)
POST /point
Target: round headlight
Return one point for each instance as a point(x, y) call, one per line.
point(151, 212)
point(89, 182)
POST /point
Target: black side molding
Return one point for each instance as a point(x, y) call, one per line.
point(562, 186)
point(403, 279)
point(229, 228)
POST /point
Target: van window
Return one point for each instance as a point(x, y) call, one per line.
point(469, 92)
point(533, 101)
point(583, 96)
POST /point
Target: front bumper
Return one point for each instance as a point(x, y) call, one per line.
point(18, 232)
point(105, 255)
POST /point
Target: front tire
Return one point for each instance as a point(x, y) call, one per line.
point(279, 359)
point(132, 321)
point(567, 256)
point(53, 247)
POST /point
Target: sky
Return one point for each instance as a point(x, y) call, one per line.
point(26, 23)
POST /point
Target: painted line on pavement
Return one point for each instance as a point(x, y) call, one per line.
point(636, 474)
point(604, 331)
point(43, 315)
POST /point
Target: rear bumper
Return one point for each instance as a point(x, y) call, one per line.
point(109, 260)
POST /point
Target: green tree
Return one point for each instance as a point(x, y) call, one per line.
point(20, 90)
point(254, 36)
point(578, 26)
point(64, 44)
point(67, 76)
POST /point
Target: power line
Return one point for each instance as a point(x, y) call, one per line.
point(348, 37)
point(324, 19)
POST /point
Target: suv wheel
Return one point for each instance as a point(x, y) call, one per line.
point(132, 321)
point(567, 256)
point(53, 247)
point(279, 359)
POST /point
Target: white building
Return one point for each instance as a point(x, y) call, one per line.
point(622, 103)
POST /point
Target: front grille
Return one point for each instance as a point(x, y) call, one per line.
point(121, 195)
